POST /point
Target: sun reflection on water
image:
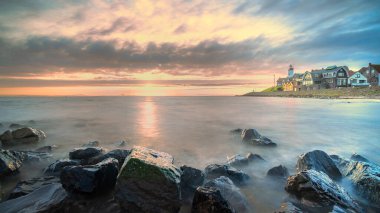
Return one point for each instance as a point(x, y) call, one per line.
point(148, 118)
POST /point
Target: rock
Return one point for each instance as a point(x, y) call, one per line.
point(31, 122)
point(90, 179)
point(288, 207)
point(91, 144)
point(318, 160)
point(240, 161)
point(357, 157)
point(210, 200)
point(48, 148)
point(121, 143)
point(236, 131)
point(32, 156)
point(191, 178)
point(216, 170)
point(28, 186)
point(85, 153)
point(56, 167)
point(118, 154)
point(317, 189)
point(278, 172)
point(22, 135)
point(15, 126)
point(40, 200)
point(231, 193)
point(366, 178)
point(252, 136)
point(10, 162)
point(149, 182)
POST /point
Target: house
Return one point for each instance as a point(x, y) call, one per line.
point(297, 81)
point(358, 80)
point(281, 81)
point(288, 86)
point(372, 74)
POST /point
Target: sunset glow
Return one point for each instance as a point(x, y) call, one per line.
point(178, 42)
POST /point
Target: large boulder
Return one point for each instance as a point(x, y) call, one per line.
point(22, 136)
point(40, 200)
point(149, 182)
point(118, 154)
point(216, 170)
point(56, 168)
point(210, 200)
point(231, 193)
point(319, 161)
point(191, 178)
point(319, 190)
point(85, 153)
point(10, 161)
point(90, 179)
point(252, 136)
point(278, 172)
point(364, 175)
point(357, 157)
point(240, 161)
point(28, 186)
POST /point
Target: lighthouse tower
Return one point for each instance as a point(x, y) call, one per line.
point(290, 71)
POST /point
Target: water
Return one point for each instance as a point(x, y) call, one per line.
point(195, 130)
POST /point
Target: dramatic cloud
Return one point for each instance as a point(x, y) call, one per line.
point(183, 40)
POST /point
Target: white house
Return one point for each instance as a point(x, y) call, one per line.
point(358, 80)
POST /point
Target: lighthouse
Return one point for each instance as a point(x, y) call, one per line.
point(290, 71)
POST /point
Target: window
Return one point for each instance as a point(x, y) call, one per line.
point(362, 81)
point(354, 81)
point(358, 75)
point(340, 74)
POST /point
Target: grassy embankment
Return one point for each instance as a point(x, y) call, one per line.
point(349, 92)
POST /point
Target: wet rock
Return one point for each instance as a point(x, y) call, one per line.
point(318, 160)
point(121, 143)
point(365, 176)
point(40, 200)
point(33, 156)
point(191, 178)
point(56, 168)
point(28, 186)
point(240, 161)
point(48, 148)
point(149, 182)
point(10, 162)
point(288, 207)
point(357, 157)
point(118, 154)
point(22, 136)
point(236, 131)
point(317, 189)
point(96, 178)
point(216, 170)
point(231, 193)
point(278, 172)
point(85, 153)
point(92, 144)
point(252, 136)
point(210, 200)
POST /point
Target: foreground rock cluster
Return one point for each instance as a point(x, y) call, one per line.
point(92, 179)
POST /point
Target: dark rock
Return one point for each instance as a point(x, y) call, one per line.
point(90, 179)
point(365, 176)
point(28, 186)
point(33, 156)
point(56, 168)
point(288, 207)
point(236, 131)
point(31, 122)
point(85, 153)
point(91, 144)
point(10, 162)
point(231, 193)
point(15, 126)
point(252, 136)
point(278, 172)
point(149, 182)
point(320, 161)
point(40, 200)
point(22, 136)
point(357, 157)
point(48, 148)
point(210, 200)
point(191, 178)
point(121, 143)
point(317, 189)
point(216, 170)
point(240, 161)
point(118, 154)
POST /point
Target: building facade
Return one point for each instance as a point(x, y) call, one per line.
point(358, 80)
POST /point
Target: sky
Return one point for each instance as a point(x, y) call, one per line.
point(159, 48)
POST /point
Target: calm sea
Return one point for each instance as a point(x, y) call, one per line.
point(196, 130)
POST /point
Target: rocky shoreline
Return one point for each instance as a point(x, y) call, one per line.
point(139, 179)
